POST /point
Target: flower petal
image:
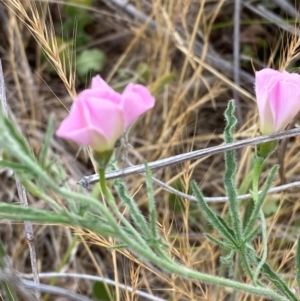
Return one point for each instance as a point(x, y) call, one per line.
point(95, 122)
point(278, 99)
point(136, 100)
point(98, 83)
point(108, 94)
point(285, 103)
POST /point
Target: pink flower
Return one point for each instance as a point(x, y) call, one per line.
point(99, 115)
point(278, 99)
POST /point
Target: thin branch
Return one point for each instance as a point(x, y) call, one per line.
point(222, 199)
point(22, 195)
point(87, 180)
point(216, 199)
point(99, 279)
point(55, 290)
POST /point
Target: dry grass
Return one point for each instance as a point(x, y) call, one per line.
point(174, 37)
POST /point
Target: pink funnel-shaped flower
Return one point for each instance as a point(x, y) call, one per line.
point(278, 99)
point(99, 115)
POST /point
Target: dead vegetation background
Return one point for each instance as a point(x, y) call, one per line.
point(188, 47)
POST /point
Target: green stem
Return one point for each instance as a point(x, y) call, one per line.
point(265, 246)
point(171, 267)
point(106, 192)
point(258, 201)
point(259, 162)
point(147, 254)
point(256, 175)
point(111, 201)
point(245, 263)
point(138, 246)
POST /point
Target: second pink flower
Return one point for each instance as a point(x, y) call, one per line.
point(278, 99)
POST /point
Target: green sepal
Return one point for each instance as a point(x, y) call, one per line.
point(102, 158)
point(265, 150)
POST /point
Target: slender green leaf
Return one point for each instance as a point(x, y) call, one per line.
point(252, 234)
point(218, 223)
point(135, 212)
point(248, 206)
point(19, 141)
point(272, 276)
point(17, 167)
point(230, 172)
point(265, 246)
point(47, 141)
point(219, 242)
point(258, 204)
point(152, 208)
point(18, 213)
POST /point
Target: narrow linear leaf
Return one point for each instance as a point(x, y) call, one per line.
point(230, 171)
point(265, 247)
point(258, 204)
point(252, 234)
point(219, 242)
point(47, 141)
point(272, 276)
point(16, 136)
point(152, 208)
point(18, 213)
point(16, 167)
point(218, 223)
point(135, 212)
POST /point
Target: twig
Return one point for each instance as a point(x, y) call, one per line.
point(55, 290)
point(221, 199)
point(22, 195)
point(98, 279)
point(216, 199)
point(87, 180)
